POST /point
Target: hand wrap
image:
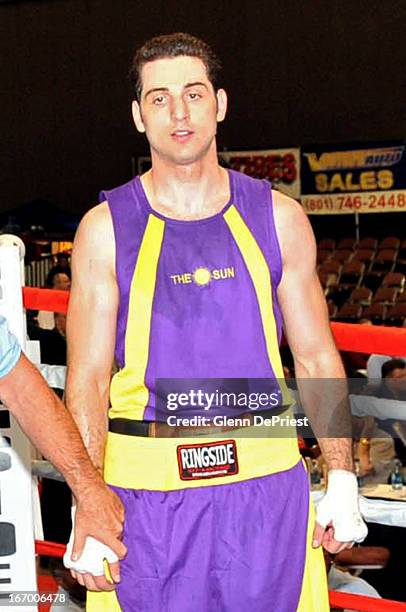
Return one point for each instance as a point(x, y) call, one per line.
point(339, 507)
point(92, 558)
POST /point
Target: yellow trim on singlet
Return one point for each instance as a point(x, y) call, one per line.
point(128, 392)
point(102, 601)
point(134, 462)
point(260, 275)
point(314, 594)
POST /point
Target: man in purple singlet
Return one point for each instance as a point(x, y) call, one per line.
point(189, 272)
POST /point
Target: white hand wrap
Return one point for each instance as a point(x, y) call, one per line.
point(92, 557)
point(340, 507)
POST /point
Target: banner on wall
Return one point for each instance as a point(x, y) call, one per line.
point(280, 166)
point(367, 178)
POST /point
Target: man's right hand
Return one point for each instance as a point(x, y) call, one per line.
point(99, 514)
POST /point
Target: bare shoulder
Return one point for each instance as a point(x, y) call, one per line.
point(95, 234)
point(96, 223)
point(287, 210)
point(292, 226)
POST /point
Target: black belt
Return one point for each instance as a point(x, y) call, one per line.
point(160, 429)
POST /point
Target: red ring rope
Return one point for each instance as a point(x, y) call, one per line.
point(348, 336)
point(364, 604)
point(45, 299)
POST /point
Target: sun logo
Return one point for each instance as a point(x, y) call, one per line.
point(202, 276)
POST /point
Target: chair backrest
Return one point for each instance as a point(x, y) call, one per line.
point(332, 265)
point(365, 255)
point(402, 250)
point(386, 295)
point(323, 254)
point(352, 267)
point(368, 243)
point(375, 312)
point(327, 243)
point(327, 279)
point(342, 255)
point(394, 279)
point(361, 295)
point(347, 243)
point(384, 261)
point(401, 298)
point(386, 255)
point(396, 315)
point(389, 243)
point(352, 272)
point(350, 312)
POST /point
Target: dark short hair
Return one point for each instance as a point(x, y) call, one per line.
point(174, 45)
point(392, 364)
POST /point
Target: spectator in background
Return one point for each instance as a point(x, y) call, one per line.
point(393, 386)
point(62, 266)
point(394, 379)
point(60, 282)
point(375, 449)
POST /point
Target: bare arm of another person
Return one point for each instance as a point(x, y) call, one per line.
point(91, 332)
point(49, 425)
point(309, 336)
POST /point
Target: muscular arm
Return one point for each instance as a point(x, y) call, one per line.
point(46, 421)
point(91, 328)
point(309, 336)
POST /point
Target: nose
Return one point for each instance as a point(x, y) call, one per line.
point(179, 109)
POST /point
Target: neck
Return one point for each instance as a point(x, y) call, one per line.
point(192, 191)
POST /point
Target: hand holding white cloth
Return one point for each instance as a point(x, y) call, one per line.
point(92, 558)
point(340, 507)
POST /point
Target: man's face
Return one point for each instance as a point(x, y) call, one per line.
point(61, 282)
point(179, 109)
point(396, 381)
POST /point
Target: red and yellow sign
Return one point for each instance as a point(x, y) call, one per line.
point(280, 166)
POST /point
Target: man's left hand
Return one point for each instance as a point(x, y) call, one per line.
point(338, 520)
point(100, 514)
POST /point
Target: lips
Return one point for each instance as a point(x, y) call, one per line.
point(182, 136)
point(182, 133)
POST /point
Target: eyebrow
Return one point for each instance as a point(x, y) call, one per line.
point(166, 89)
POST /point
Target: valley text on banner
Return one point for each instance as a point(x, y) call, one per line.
point(365, 178)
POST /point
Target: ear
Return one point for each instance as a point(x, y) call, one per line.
point(136, 112)
point(221, 104)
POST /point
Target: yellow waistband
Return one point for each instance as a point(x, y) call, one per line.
point(134, 462)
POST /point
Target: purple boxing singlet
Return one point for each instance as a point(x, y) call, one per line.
point(197, 298)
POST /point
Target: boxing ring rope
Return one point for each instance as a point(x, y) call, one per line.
point(361, 603)
point(51, 300)
point(348, 337)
